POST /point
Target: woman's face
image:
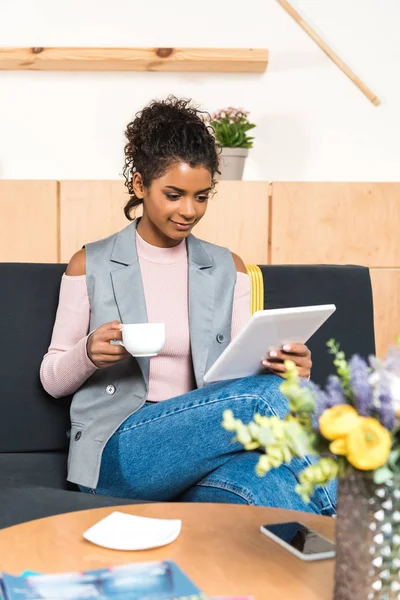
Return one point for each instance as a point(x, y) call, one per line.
point(173, 203)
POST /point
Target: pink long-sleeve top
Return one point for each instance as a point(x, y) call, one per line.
point(66, 366)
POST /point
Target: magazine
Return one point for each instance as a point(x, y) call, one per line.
point(156, 580)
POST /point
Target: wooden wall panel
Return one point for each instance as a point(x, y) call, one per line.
point(28, 221)
point(386, 292)
point(237, 217)
point(89, 211)
point(336, 223)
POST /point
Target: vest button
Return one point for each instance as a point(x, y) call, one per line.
point(110, 390)
point(78, 436)
point(220, 338)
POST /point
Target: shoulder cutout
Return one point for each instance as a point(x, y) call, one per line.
point(239, 264)
point(77, 264)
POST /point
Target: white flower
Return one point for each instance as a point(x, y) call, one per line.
point(394, 387)
point(393, 382)
point(374, 378)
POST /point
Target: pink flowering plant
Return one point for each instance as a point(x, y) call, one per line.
point(231, 126)
point(352, 424)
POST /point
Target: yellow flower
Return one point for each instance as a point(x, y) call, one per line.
point(368, 445)
point(338, 421)
point(339, 446)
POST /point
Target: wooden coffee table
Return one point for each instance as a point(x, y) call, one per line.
point(220, 548)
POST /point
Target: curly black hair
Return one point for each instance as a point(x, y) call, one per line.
point(163, 133)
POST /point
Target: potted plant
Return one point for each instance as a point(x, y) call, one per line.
point(352, 427)
point(231, 126)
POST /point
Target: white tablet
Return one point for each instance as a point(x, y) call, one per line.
point(266, 330)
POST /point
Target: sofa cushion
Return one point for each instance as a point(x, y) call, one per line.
point(47, 469)
point(23, 503)
point(33, 485)
point(34, 420)
point(346, 286)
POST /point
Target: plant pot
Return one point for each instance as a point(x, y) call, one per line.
point(367, 539)
point(231, 162)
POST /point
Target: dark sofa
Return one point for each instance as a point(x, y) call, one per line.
point(34, 427)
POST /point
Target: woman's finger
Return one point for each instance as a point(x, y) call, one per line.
point(112, 334)
point(297, 349)
point(277, 367)
point(298, 359)
point(112, 349)
point(111, 358)
point(109, 331)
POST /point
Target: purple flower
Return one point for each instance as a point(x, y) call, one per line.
point(335, 391)
point(387, 415)
point(321, 398)
point(360, 386)
point(386, 411)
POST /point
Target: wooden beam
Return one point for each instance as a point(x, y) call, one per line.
point(228, 60)
point(328, 50)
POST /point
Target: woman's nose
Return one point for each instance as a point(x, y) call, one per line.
point(187, 209)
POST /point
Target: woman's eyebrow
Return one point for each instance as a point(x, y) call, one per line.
point(177, 189)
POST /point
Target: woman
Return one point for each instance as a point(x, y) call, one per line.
point(146, 428)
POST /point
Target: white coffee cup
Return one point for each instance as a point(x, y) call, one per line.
point(142, 339)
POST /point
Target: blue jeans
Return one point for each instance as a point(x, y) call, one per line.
point(177, 450)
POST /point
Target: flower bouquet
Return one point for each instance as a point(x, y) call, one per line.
point(230, 129)
point(352, 429)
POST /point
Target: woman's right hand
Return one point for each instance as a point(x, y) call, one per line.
point(100, 351)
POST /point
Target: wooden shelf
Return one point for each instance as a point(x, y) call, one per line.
point(226, 60)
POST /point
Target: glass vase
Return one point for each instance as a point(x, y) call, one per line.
point(367, 539)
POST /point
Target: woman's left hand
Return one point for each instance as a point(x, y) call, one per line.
point(298, 353)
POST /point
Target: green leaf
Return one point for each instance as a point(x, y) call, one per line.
point(298, 438)
point(287, 454)
point(263, 465)
point(236, 138)
point(302, 491)
point(243, 435)
point(233, 135)
point(265, 436)
point(254, 430)
point(229, 422)
point(251, 446)
point(382, 475)
point(394, 459)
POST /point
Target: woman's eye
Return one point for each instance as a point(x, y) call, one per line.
point(172, 196)
point(202, 198)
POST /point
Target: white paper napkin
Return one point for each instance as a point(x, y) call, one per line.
point(121, 531)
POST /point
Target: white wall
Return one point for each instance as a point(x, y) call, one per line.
point(312, 122)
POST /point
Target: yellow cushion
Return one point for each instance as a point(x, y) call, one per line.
point(257, 288)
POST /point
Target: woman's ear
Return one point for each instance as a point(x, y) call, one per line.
point(137, 184)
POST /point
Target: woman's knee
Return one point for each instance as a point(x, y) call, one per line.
point(265, 391)
point(271, 395)
point(219, 493)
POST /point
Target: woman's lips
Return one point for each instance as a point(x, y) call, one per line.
point(182, 226)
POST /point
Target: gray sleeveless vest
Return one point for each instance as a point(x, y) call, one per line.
point(115, 292)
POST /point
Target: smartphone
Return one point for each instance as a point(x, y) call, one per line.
point(303, 542)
